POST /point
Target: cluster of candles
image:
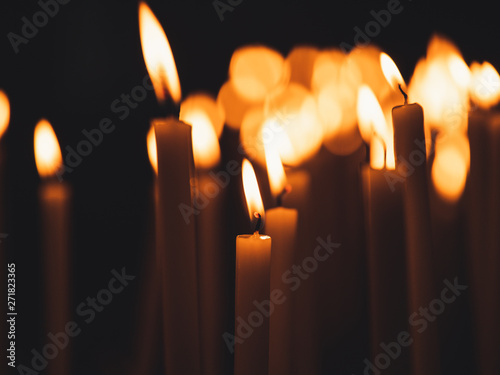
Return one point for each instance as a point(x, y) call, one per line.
point(285, 110)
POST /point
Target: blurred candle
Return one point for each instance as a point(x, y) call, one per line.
point(55, 219)
point(200, 111)
point(281, 224)
point(409, 144)
point(175, 237)
point(384, 222)
point(253, 257)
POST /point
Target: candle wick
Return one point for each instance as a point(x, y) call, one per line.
point(259, 222)
point(279, 198)
point(404, 93)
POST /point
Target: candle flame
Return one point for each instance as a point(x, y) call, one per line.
point(391, 71)
point(377, 153)
point(484, 85)
point(252, 192)
point(4, 112)
point(48, 155)
point(158, 55)
point(206, 150)
point(275, 170)
point(450, 167)
point(153, 156)
point(372, 123)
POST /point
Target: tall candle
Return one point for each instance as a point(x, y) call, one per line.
point(409, 144)
point(55, 218)
point(281, 224)
point(253, 257)
point(175, 237)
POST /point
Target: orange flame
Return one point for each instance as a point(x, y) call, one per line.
point(251, 189)
point(4, 112)
point(151, 141)
point(48, 155)
point(372, 124)
point(451, 163)
point(484, 85)
point(275, 170)
point(158, 55)
point(206, 150)
point(391, 71)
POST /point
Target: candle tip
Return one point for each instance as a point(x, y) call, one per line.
point(259, 222)
point(404, 93)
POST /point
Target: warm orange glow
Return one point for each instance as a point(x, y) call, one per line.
point(158, 55)
point(372, 124)
point(301, 61)
point(391, 71)
point(4, 112)
point(440, 85)
point(327, 68)
point(256, 70)
point(48, 155)
point(206, 150)
point(252, 192)
point(207, 104)
point(451, 163)
point(275, 170)
point(484, 85)
point(153, 156)
point(235, 106)
point(377, 153)
point(294, 116)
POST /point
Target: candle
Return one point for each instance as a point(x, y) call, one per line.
point(175, 237)
point(409, 144)
point(54, 205)
point(252, 299)
point(281, 224)
point(384, 236)
point(201, 112)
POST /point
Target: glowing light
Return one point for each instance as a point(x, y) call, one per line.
point(391, 71)
point(4, 112)
point(158, 55)
point(484, 85)
point(153, 156)
point(207, 104)
point(48, 155)
point(252, 192)
point(275, 170)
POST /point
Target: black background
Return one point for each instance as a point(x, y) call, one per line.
point(87, 56)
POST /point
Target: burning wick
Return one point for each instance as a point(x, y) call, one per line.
point(285, 191)
point(259, 222)
point(404, 93)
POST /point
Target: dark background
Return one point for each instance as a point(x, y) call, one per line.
point(87, 56)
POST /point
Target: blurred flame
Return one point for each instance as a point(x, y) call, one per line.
point(301, 61)
point(377, 153)
point(4, 112)
point(275, 170)
point(484, 85)
point(440, 84)
point(252, 192)
point(372, 124)
point(391, 71)
point(158, 55)
point(450, 167)
point(151, 141)
point(256, 70)
point(207, 104)
point(206, 150)
point(48, 155)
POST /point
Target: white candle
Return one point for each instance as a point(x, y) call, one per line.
point(253, 257)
